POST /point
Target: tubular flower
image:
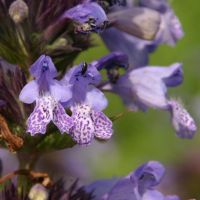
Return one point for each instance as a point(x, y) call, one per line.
point(87, 103)
point(48, 94)
point(169, 32)
point(170, 29)
point(138, 185)
point(147, 86)
point(89, 15)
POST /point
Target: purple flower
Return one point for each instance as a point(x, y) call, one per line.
point(170, 29)
point(182, 121)
point(89, 15)
point(169, 32)
point(117, 40)
point(138, 185)
point(147, 86)
point(48, 94)
point(111, 60)
point(86, 104)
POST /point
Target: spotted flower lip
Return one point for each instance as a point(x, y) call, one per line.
point(48, 93)
point(89, 15)
point(182, 121)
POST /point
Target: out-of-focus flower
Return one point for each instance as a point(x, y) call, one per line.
point(170, 29)
point(120, 38)
point(117, 40)
point(48, 93)
point(18, 11)
point(38, 192)
point(147, 87)
point(111, 60)
point(138, 185)
point(131, 21)
point(182, 121)
point(87, 103)
point(89, 15)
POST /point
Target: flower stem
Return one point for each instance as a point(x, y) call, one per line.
point(27, 161)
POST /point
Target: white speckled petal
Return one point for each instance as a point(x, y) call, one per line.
point(83, 130)
point(102, 124)
point(61, 119)
point(182, 121)
point(41, 116)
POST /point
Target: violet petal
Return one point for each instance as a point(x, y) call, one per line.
point(29, 93)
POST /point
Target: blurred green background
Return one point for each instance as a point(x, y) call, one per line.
point(140, 137)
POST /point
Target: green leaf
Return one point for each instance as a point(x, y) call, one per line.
point(55, 141)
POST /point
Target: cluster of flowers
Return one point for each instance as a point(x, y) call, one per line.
point(79, 89)
point(74, 102)
point(76, 91)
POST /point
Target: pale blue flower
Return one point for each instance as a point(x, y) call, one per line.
point(138, 185)
point(147, 86)
point(48, 94)
point(87, 103)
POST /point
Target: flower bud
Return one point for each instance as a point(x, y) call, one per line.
point(18, 11)
point(38, 192)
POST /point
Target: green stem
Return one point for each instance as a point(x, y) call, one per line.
point(26, 161)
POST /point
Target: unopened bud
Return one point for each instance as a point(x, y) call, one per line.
point(18, 11)
point(38, 192)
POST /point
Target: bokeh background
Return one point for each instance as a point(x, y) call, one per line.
point(140, 137)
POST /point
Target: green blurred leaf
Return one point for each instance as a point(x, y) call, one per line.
point(55, 141)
